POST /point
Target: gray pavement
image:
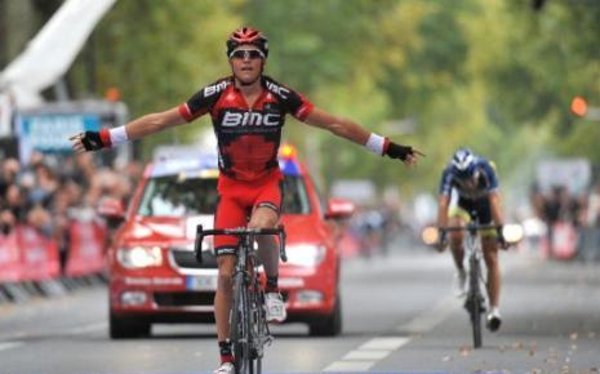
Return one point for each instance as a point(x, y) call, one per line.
point(399, 316)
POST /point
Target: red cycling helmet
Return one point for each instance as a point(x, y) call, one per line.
point(247, 35)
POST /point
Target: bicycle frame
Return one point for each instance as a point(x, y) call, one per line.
point(249, 332)
point(475, 302)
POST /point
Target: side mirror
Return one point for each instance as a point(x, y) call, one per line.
point(112, 210)
point(339, 209)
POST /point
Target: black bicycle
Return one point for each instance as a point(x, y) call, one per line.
point(476, 298)
point(249, 333)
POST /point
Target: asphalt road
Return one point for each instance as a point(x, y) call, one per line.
point(399, 317)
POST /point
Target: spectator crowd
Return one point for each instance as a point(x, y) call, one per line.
point(50, 191)
point(580, 211)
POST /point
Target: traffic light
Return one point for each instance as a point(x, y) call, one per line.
point(579, 106)
point(112, 94)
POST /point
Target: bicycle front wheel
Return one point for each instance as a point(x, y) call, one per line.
point(240, 329)
point(258, 328)
point(475, 303)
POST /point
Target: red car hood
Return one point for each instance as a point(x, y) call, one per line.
point(303, 228)
point(299, 228)
point(165, 228)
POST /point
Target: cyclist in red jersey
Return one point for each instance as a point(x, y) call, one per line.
point(248, 112)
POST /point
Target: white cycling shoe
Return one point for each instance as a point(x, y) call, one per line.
point(460, 283)
point(275, 307)
point(494, 320)
point(225, 368)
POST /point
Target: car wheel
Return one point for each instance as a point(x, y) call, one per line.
point(124, 328)
point(330, 325)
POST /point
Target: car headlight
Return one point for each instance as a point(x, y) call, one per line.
point(305, 254)
point(513, 233)
point(430, 235)
point(139, 257)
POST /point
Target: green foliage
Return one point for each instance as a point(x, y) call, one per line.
point(158, 53)
point(489, 74)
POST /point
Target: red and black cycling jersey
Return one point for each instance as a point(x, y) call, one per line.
point(248, 138)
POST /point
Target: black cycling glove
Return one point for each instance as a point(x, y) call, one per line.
point(500, 237)
point(442, 239)
point(92, 141)
point(399, 151)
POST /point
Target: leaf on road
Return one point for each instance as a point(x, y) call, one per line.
point(465, 350)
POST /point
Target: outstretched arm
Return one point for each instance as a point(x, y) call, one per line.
point(136, 129)
point(496, 208)
point(352, 131)
point(443, 203)
point(442, 221)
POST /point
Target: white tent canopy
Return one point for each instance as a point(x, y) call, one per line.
point(49, 55)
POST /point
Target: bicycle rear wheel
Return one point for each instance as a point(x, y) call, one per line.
point(240, 329)
point(475, 302)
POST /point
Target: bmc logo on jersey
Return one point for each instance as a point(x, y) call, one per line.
point(215, 88)
point(235, 119)
point(281, 91)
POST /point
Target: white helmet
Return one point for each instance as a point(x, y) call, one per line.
point(463, 163)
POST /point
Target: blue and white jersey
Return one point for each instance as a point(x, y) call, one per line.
point(486, 181)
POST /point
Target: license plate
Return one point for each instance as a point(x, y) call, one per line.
point(201, 282)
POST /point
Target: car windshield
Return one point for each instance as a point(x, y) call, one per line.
point(174, 196)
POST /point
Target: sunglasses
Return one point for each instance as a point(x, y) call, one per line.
point(243, 54)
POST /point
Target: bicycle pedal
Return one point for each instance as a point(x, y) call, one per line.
point(255, 353)
point(268, 340)
point(467, 304)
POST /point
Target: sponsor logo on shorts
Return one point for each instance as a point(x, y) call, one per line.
point(225, 251)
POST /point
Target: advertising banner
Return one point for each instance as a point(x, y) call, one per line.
point(10, 260)
point(86, 252)
point(51, 132)
point(39, 255)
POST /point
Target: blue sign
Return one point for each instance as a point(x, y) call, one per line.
point(51, 132)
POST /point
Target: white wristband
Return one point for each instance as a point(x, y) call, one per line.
point(118, 135)
point(375, 144)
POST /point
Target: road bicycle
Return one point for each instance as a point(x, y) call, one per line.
point(250, 333)
point(476, 297)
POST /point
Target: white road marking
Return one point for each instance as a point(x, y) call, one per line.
point(432, 317)
point(350, 366)
point(366, 355)
point(9, 345)
point(390, 344)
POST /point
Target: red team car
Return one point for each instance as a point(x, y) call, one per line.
point(154, 277)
